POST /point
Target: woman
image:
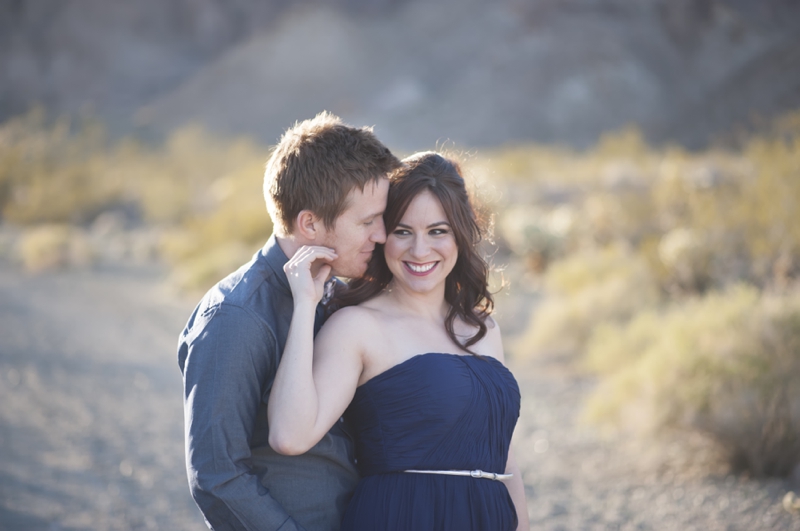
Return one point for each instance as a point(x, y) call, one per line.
point(416, 352)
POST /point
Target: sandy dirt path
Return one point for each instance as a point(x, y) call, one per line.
point(91, 426)
point(92, 418)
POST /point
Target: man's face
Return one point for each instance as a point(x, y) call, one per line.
point(358, 229)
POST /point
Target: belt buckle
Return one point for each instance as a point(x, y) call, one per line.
point(476, 473)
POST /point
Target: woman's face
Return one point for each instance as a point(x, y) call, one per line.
point(421, 251)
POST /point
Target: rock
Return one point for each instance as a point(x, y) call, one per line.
point(791, 503)
point(550, 71)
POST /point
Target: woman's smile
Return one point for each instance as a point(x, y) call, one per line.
point(420, 269)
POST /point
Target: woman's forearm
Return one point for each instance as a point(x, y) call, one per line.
point(516, 488)
point(293, 400)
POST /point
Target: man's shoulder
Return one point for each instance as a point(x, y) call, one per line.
point(252, 290)
point(239, 287)
point(239, 309)
point(249, 287)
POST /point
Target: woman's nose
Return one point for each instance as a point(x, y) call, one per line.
point(420, 247)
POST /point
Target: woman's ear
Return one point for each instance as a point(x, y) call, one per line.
point(307, 225)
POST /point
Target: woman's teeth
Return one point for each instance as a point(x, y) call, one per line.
point(421, 268)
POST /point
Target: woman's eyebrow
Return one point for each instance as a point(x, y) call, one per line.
point(436, 224)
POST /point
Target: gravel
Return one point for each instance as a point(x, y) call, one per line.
point(91, 426)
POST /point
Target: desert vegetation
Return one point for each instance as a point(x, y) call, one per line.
point(669, 275)
point(672, 277)
point(69, 195)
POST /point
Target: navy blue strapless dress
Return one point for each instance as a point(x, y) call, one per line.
point(433, 412)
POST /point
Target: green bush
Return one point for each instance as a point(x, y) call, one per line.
point(725, 364)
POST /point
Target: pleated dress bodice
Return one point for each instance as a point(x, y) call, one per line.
point(434, 411)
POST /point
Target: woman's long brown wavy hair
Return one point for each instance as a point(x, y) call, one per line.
point(466, 287)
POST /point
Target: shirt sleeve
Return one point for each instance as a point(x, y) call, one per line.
point(225, 356)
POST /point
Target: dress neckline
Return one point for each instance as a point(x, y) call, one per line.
point(386, 373)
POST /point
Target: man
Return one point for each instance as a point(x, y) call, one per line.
point(325, 184)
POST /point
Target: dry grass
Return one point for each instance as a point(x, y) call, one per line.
point(637, 282)
point(199, 194)
point(587, 289)
point(723, 364)
point(52, 246)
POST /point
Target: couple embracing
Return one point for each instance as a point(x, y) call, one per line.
point(382, 404)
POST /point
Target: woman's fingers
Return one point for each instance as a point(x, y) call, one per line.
point(322, 276)
point(299, 271)
point(307, 255)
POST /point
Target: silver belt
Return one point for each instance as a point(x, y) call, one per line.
point(469, 473)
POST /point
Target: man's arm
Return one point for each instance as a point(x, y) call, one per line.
point(224, 363)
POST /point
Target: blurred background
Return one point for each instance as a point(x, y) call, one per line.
point(641, 159)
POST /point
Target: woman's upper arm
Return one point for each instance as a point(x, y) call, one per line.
point(338, 363)
point(492, 342)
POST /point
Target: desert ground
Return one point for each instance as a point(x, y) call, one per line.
point(91, 425)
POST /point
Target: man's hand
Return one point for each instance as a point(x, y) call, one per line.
point(307, 287)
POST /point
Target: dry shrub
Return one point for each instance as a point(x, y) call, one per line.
point(206, 189)
point(202, 270)
point(690, 223)
point(738, 207)
point(585, 290)
point(54, 174)
point(538, 235)
point(742, 206)
point(49, 247)
point(208, 246)
point(686, 256)
point(725, 365)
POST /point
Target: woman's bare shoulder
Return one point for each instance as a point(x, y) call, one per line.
point(346, 317)
point(491, 324)
point(352, 324)
point(492, 343)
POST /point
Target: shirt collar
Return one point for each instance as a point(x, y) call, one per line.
point(276, 259)
point(330, 286)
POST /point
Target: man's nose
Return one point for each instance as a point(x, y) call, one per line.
point(379, 235)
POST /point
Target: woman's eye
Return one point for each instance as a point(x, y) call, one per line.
point(401, 232)
point(438, 232)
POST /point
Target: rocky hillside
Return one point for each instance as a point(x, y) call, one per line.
point(476, 73)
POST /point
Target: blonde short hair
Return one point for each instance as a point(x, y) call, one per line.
point(315, 166)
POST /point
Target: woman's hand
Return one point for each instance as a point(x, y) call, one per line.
point(300, 271)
